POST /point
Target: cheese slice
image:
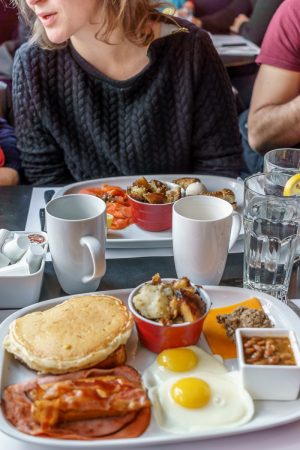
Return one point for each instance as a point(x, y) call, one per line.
point(215, 333)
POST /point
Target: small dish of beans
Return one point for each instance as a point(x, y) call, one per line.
point(268, 350)
point(269, 362)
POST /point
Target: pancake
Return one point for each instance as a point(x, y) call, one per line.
point(76, 334)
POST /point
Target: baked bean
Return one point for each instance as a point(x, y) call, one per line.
point(256, 356)
point(269, 352)
point(285, 355)
point(249, 351)
point(273, 360)
point(258, 347)
point(249, 343)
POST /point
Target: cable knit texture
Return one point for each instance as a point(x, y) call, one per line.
point(176, 116)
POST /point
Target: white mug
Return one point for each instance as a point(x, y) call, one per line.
point(204, 228)
point(76, 235)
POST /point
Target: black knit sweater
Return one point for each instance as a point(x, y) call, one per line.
point(176, 116)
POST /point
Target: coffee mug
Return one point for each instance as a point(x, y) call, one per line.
point(203, 230)
point(76, 234)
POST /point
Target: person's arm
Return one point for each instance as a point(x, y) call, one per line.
point(274, 115)
point(220, 21)
point(216, 146)
point(8, 176)
point(41, 155)
point(255, 28)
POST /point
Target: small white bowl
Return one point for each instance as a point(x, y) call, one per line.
point(269, 382)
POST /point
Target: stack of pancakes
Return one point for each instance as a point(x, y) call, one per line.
point(82, 332)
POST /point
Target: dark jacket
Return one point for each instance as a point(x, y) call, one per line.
point(260, 13)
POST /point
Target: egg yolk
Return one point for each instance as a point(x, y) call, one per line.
point(191, 393)
point(177, 359)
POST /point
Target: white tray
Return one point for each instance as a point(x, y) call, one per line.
point(268, 414)
point(135, 237)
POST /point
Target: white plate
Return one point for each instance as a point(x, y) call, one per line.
point(268, 414)
point(135, 237)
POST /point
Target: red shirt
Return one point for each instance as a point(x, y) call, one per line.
point(281, 45)
point(2, 157)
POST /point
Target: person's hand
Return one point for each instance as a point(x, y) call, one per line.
point(8, 176)
point(238, 21)
point(197, 21)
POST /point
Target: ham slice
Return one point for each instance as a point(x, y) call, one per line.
point(18, 407)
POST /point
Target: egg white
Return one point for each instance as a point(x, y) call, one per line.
point(230, 405)
point(156, 374)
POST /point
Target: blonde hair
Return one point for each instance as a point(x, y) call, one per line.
point(132, 15)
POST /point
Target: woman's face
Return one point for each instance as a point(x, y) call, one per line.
point(64, 18)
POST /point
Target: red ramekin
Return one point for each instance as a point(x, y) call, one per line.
point(156, 337)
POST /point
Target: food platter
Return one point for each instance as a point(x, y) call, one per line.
point(135, 237)
point(268, 414)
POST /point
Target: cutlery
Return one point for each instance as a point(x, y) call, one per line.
point(42, 219)
point(48, 194)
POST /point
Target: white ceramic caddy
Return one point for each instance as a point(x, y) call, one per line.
point(268, 414)
point(135, 237)
point(18, 291)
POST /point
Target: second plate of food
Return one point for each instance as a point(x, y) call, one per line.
point(135, 237)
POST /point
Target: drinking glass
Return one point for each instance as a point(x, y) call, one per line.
point(272, 230)
point(282, 159)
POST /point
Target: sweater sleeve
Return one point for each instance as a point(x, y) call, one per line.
point(220, 21)
point(216, 146)
point(261, 16)
point(41, 156)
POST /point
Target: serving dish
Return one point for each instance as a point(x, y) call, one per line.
point(18, 291)
point(269, 381)
point(268, 414)
point(156, 337)
point(135, 237)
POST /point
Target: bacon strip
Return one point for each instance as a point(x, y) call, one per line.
point(18, 408)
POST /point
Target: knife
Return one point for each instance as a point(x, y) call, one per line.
point(42, 219)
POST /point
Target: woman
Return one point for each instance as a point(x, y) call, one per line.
point(114, 87)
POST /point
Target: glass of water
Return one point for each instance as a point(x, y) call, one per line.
point(283, 160)
point(272, 231)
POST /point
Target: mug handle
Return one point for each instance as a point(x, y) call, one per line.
point(235, 228)
point(99, 263)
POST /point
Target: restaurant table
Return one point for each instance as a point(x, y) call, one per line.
point(128, 273)
point(234, 50)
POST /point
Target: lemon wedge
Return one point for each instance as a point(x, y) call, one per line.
point(109, 219)
point(292, 186)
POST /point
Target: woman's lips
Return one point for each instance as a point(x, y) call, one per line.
point(47, 19)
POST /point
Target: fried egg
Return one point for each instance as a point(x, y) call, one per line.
point(201, 402)
point(181, 362)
